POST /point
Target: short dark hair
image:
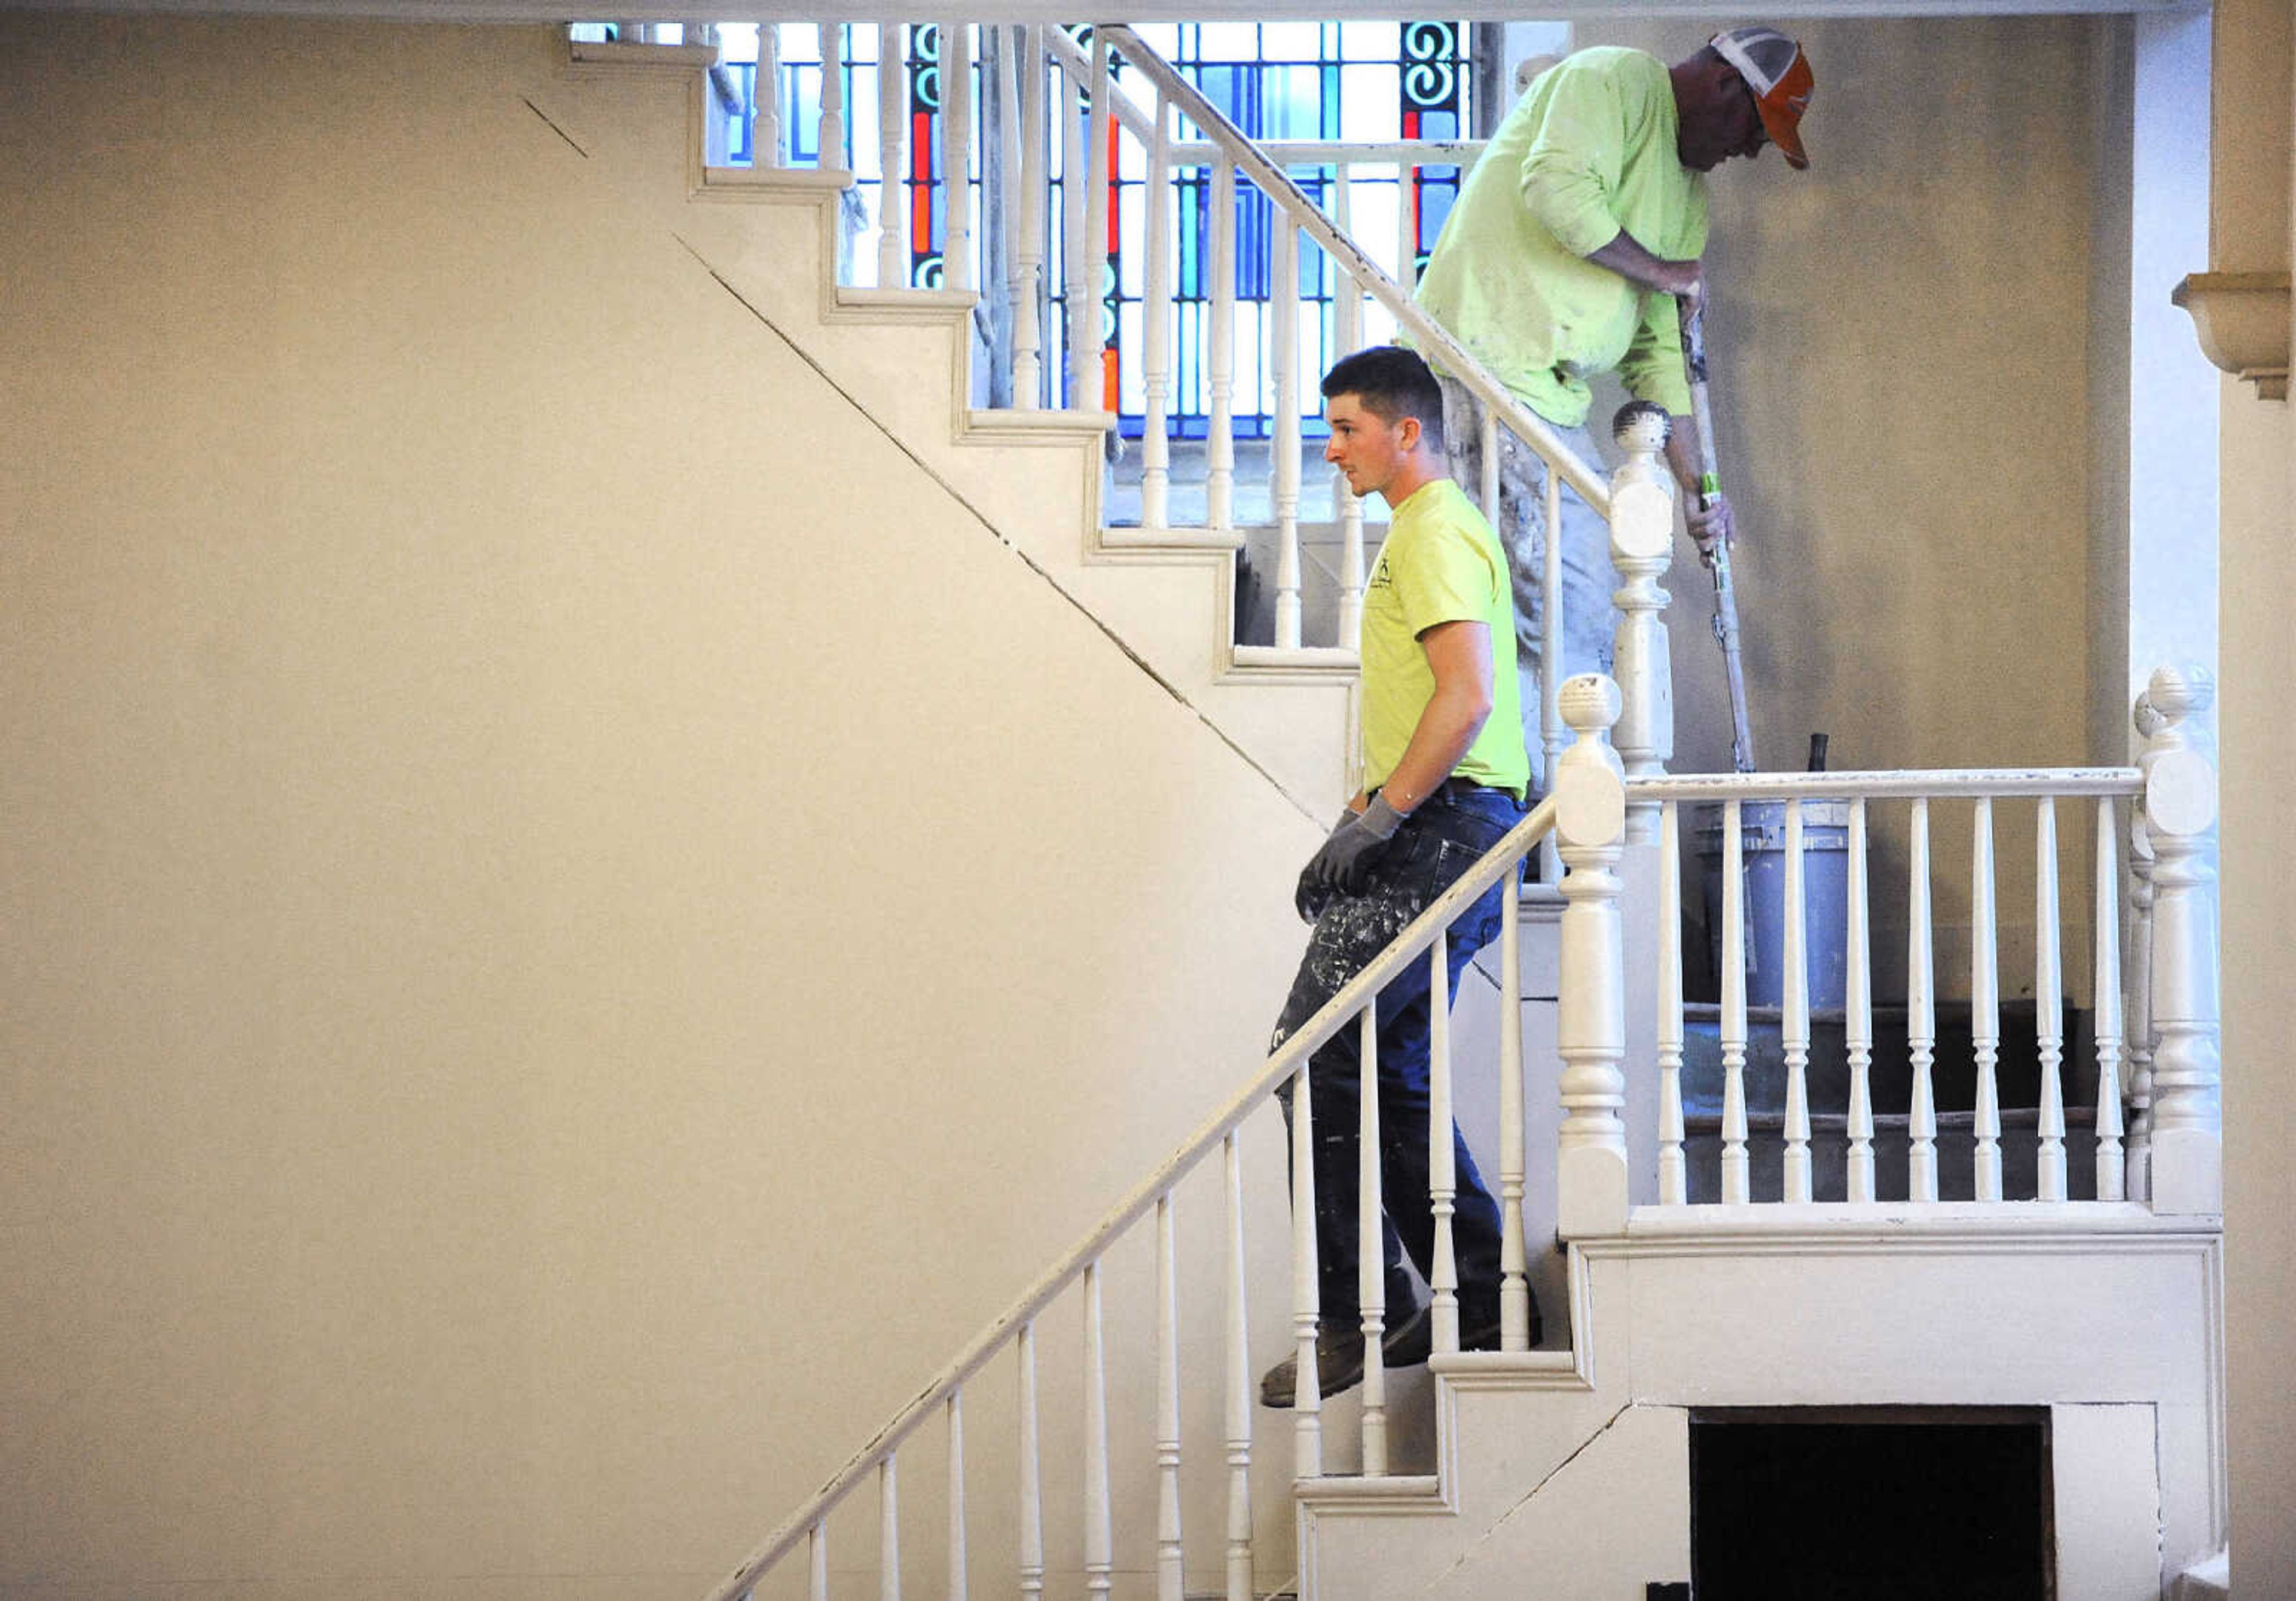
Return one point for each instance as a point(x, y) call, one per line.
point(1393, 384)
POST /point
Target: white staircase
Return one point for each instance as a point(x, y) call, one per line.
point(1561, 1472)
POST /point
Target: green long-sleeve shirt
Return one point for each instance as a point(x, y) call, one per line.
point(1588, 152)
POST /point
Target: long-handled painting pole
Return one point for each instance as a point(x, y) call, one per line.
point(1717, 552)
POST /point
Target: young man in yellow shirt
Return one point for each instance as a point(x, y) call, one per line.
point(1446, 777)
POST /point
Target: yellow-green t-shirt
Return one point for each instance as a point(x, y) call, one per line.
point(1440, 563)
point(1587, 152)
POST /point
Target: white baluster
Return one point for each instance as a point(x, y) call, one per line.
point(1032, 1476)
point(1487, 490)
point(1985, 1002)
point(2180, 815)
point(1156, 333)
point(2139, 1041)
point(1442, 1168)
point(1550, 657)
point(957, 154)
point(1406, 259)
point(1591, 814)
point(1514, 1278)
point(892, 153)
point(1737, 1188)
point(1370, 1254)
point(1283, 419)
point(1794, 1027)
point(1099, 1535)
point(1347, 313)
point(1000, 184)
point(1858, 1029)
point(1168, 1548)
point(1921, 1014)
point(766, 126)
point(2110, 1176)
point(956, 1542)
point(1307, 1398)
point(1673, 1172)
point(817, 1550)
point(888, 1532)
point(832, 140)
point(1220, 435)
point(2049, 1007)
point(1642, 548)
point(1239, 1386)
point(1028, 287)
point(1082, 319)
point(1095, 234)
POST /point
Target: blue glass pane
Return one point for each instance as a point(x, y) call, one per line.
point(1298, 92)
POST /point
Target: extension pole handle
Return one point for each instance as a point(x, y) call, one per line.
point(1717, 552)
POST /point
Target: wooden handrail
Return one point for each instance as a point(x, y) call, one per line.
point(1932, 783)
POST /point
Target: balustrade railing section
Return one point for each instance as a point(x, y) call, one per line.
point(2153, 994)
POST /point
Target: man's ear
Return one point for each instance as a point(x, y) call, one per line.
point(1408, 432)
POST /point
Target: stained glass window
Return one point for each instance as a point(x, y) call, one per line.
point(1353, 82)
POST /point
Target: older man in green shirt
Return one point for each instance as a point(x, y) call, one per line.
point(1574, 240)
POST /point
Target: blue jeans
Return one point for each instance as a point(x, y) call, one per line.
point(1446, 835)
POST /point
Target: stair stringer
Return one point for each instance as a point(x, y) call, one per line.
point(904, 358)
point(1567, 1474)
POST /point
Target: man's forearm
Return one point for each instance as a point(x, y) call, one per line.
point(1447, 728)
point(1685, 455)
point(1625, 257)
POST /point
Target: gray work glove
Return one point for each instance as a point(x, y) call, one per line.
point(1343, 865)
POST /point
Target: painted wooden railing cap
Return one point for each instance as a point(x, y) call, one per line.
point(1590, 780)
point(1642, 425)
point(2180, 782)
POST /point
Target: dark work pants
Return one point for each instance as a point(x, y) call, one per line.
point(1448, 832)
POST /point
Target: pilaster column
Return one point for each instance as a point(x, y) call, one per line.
point(2180, 816)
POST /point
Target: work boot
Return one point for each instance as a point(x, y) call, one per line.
point(1414, 1342)
point(1339, 1366)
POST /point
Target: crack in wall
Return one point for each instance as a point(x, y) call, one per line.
point(555, 128)
point(1134, 656)
point(1525, 1500)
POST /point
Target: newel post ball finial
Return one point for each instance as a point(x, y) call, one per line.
point(1591, 1028)
point(1641, 428)
point(1642, 548)
point(2179, 817)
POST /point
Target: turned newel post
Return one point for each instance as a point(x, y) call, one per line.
point(1642, 548)
point(2180, 815)
point(1591, 1029)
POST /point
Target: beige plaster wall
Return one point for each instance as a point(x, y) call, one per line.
point(1900, 344)
point(2256, 92)
point(2259, 879)
point(575, 924)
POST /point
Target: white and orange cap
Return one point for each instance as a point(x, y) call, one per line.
point(1778, 74)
